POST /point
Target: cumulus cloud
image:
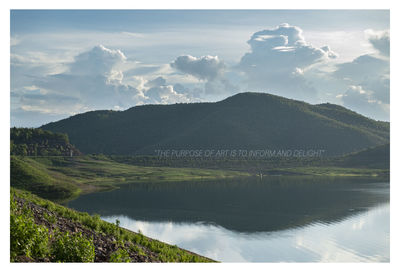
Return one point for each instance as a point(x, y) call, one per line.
point(209, 69)
point(204, 68)
point(361, 68)
point(95, 80)
point(368, 78)
point(369, 72)
point(92, 81)
point(97, 61)
point(278, 59)
point(165, 95)
point(363, 102)
point(159, 81)
point(160, 92)
point(380, 40)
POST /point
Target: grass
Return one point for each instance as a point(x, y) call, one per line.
point(29, 175)
point(63, 178)
point(164, 252)
point(86, 174)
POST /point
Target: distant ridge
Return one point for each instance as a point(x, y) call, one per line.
point(377, 157)
point(243, 121)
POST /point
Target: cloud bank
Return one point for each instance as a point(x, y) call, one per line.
point(368, 78)
point(46, 87)
point(94, 80)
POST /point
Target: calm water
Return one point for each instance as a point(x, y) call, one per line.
point(276, 219)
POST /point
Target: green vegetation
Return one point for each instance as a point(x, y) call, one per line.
point(72, 248)
point(120, 256)
point(329, 171)
point(367, 162)
point(42, 163)
point(27, 174)
point(61, 178)
point(38, 142)
point(35, 241)
point(26, 238)
point(374, 157)
point(244, 121)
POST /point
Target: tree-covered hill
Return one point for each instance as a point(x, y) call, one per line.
point(39, 142)
point(243, 121)
point(374, 157)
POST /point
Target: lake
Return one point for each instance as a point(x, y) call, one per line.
point(274, 219)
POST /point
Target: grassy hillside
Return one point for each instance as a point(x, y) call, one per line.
point(336, 166)
point(27, 174)
point(243, 121)
point(42, 231)
point(60, 178)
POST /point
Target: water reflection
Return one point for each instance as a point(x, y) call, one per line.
point(250, 205)
point(276, 219)
point(360, 238)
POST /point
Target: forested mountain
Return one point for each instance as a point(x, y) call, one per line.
point(38, 142)
point(243, 121)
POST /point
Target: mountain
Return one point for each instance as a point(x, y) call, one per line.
point(244, 121)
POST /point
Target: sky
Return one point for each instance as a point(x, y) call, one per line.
point(65, 62)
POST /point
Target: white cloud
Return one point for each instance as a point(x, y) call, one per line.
point(160, 92)
point(364, 83)
point(370, 72)
point(348, 43)
point(363, 102)
point(277, 60)
point(361, 68)
point(380, 40)
point(212, 71)
point(98, 61)
point(34, 106)
point(280, 61)
point(204, 68)
point(165, 95)
point(159, 81)
point(92, 81)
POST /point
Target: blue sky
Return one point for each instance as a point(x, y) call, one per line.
point(66, 62)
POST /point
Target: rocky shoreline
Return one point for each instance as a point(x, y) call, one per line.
point(104, 245)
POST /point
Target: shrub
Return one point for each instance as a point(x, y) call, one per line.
point(26, 238)
point(120, 256)
point(72, 248)
point(50, 218)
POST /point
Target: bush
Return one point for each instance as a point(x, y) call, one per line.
point(50, 218)
point(26, 238)
point(120, 256)
point(72, 248)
